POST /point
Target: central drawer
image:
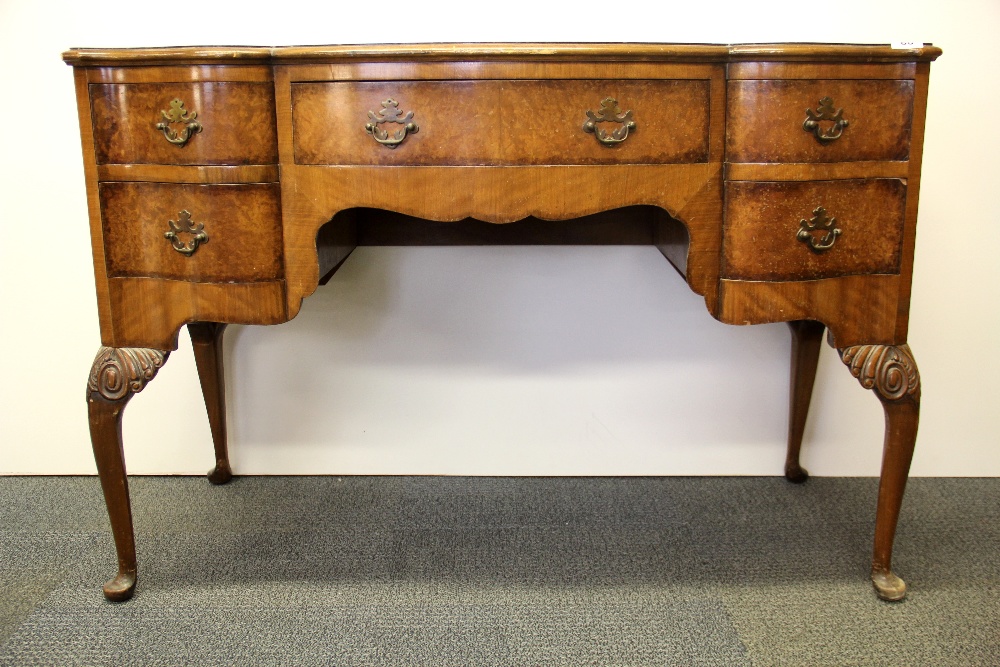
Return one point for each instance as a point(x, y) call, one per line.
point(486, 122)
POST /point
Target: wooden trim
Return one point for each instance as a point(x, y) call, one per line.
point(801, 171)
point(857, 309)
point(717, 117)
point(234, 54)
point(913, 193)
point(505, 51)
point(783, 70)
point(417, 71)
point(152, 310)
point(253, 173)
point(286, 156)
point(179, 74)
point(812, 52)
point(94, 207)
point(688, 192)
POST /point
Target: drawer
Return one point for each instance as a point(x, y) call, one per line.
point(766, 235)
point(765, 120)
point(543, 122)
point(456, 122)
point(236, 121)
point(520, 122)
point(242, 224)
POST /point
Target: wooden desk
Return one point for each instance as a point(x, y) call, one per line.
point(225, 184)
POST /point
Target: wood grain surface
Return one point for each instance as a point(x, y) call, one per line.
point(149, 312)
point(237, 121)
point(243, 223)
point(765, 120)
point(501, 123)
point(763, 219)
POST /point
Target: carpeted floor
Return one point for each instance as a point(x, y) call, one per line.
point(442, 571)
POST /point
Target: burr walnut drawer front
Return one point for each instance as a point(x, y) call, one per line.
point(201, 123)
point(197, 233)
point(815, 229)
point(819, 121)
point(519, 122)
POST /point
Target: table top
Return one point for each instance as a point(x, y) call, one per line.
point(792, 52)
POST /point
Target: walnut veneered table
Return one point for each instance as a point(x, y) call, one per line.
point(225, 184)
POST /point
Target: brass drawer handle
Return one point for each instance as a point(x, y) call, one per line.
point(184, 225)
point(390, 113)
point(609, 113)
point(825, 112)
point(178, 114)
point(820, 222)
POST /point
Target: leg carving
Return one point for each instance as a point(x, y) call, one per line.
point(891, 373)
point(206, 340)
point(117, 374)
point(807, 339)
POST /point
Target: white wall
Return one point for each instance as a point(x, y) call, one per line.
point(495, 360)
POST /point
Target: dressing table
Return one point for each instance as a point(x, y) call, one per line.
point(225, 184)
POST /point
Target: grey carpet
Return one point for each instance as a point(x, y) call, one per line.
point(441, 571)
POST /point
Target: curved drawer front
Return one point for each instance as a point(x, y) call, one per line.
point(520, 122)
point(219, 233)
point(766, 117)
point(204, 123)
point(815, 229)
point(543, 122)
point(456, 122)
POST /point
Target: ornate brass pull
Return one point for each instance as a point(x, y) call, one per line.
point(825, 112)
point(178, 114)
point(390, 113)
point(184, 225)
point(609, 113)
point(820, 222)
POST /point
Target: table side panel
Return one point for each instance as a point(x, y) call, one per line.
point(85, 119)
point(226, 176)
point(863, 177)
point(913, 183)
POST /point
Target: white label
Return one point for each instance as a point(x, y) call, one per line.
point(907, 45)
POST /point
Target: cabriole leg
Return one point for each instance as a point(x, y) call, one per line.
point(807, 338)
point(892, 373)
point(206, 340)
point(117, 374)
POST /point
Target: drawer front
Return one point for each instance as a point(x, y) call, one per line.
point(214, 123)
point(786, 230)
point(765, 120)
point(521, 122)
point(456, 122)
point(242, 224)
point(544, 122)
